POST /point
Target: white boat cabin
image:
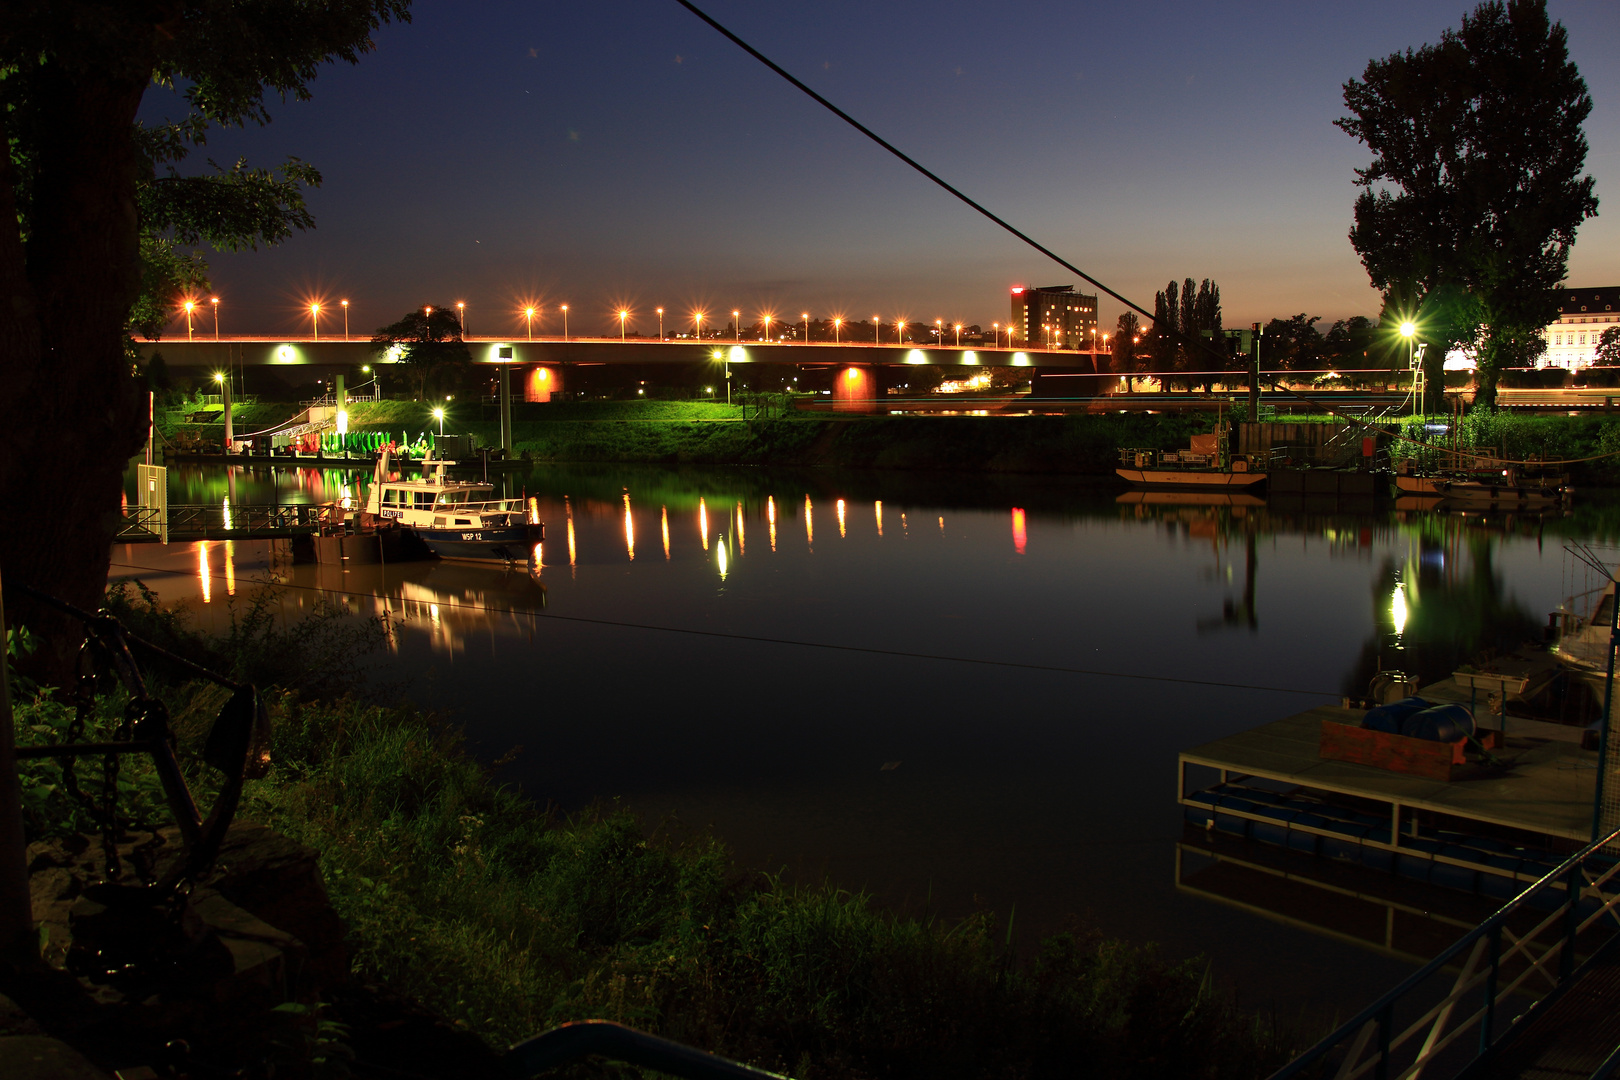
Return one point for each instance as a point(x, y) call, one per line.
point(432, 502)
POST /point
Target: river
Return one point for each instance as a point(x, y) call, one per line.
point(950, 691)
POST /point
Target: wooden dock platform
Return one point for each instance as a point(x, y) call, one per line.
point(1271, 785)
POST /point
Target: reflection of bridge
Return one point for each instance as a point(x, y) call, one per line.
point(223, 521)
point(293, 352)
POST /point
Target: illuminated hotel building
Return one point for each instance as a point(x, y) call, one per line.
point(1055, 314)
point(1583, 314)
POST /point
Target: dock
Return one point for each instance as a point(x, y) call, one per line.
point(1491, 830)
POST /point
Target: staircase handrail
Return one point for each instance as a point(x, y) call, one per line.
point(1381, 1011)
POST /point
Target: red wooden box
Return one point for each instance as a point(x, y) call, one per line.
point(1397, 753)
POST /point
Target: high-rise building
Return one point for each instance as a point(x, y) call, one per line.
point(1054, 316)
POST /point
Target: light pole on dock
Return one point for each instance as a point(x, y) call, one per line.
point(345, 304)
point(214, 300)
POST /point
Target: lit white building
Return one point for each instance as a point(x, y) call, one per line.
point(1583, 314)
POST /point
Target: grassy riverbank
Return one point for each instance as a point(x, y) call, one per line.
point(507, 919)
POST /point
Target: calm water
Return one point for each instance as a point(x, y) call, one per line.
point(909, 684)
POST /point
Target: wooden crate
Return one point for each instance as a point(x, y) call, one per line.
point(1397, 753)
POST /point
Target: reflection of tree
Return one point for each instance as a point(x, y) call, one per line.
point(1452, 613)
point(1240, 612)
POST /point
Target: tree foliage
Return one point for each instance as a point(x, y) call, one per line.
point(1474, 193)
point(428, 342)
point(1608, 347)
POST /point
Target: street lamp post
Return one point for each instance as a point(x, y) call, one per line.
point(939, 331)
point(838, 326)
point(877, 330)
point(660, 324)
point(565, 322)
point(461, 316)
point(768, 329)
point(736, 323)
point(214, 300)
point(438, 414)
point(1409, 332)
point(996, 328)
point(315, 319)
point(528, 316)
point(345, 304)
point(900, 331)
point(805, 315)
point(697, 324)
point(958, 334)
point(623, 315)
point(190, 306)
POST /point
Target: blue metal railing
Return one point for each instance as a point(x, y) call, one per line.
point(570, 1042)
point(1496, 963)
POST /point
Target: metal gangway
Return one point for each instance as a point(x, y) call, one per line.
point(1530, 992)
point(180, 522)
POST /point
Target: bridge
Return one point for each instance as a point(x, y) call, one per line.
point(179, 522)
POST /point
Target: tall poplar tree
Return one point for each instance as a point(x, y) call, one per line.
point(1475, 189)
point(1189, 357)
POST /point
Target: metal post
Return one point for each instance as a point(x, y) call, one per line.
point(1572, 921)
point(1603, 732)
point(225, 396)
point(506, 409)
point(16, 908)
point(1254, 373)
point(1487, 1022)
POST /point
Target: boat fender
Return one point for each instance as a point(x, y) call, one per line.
point(1388, 718)
point(1443, 723)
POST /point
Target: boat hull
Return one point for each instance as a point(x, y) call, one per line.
point(1474, 491)
point(1192, 479)
point(507, 544)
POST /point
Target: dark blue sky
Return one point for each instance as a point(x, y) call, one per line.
point(599, 155)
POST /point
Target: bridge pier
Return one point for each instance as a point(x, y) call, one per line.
point(855, 390)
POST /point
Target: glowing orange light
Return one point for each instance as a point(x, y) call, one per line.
point(770, 516)
point(629, 529)
point(841, 532)
point(878, 507)
point(809, 522)
point(230, 567)
point(742, 536)
point(852, 374)
point(1020, 535)
point(202, 571)
point(569, 507)
point(703, 522)
point(665, 514)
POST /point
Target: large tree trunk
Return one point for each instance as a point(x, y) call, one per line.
point(74, 417)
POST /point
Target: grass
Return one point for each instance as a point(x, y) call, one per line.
point(507, 918)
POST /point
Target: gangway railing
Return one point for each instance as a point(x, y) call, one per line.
point(225, 520)
point(1511, 967)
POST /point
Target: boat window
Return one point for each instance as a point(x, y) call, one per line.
point(390, 497)
point(424, 498)
point(463, 521)
point(438, 521)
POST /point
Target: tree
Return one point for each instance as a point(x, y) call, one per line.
point(1480, 138)
point(1292, 344)
point(78, 222)
point(1127, 335)
point(428, 342)
point(1608, 347)
point(1189, 357)
point(1164, 332)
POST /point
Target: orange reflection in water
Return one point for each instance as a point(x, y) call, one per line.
point(202, 571)
point(809, 522)
point(703, 522)
point(742, 538)
point(841, 531)
point(629, 529)
point(770, 516)
point(665, 512)
point(878, 506)
point(230, 567)
point(942, 526)
point(1020, 535)
point(569, 507)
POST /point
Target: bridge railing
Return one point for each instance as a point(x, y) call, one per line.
point(1501, 975)
point(206, 520)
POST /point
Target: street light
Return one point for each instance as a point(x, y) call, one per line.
point(528, 315)
point(660, 324)
point(461, 316)
point(805, 315)
point(958, 333)
point(697, 323)
point(438, 414)
point(939, 331)
point(190, 305)
point(768, 319)
point(1409, 332)
point(900, 331)
point(215, 301)
point(565, 322)
point(995, 326)
point(877, 330)
point(315, 318)
point(623, 315)
point(838, 326)
point(345, 304)
point(736, 323)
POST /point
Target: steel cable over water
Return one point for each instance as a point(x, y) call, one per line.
point(832, 646)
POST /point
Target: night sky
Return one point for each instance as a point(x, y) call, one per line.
point(606, 155)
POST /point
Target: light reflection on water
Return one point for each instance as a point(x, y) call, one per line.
point(1030, 788)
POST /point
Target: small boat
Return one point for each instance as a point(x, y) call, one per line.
point(1201, 467)
point(1487, 484)
point(455, 519)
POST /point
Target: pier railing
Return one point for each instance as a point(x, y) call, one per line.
point(1502, 974)
point(208, 520)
